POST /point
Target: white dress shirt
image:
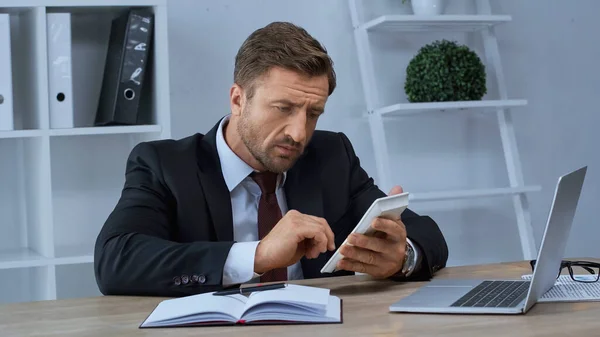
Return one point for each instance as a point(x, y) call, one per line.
point(245, 195)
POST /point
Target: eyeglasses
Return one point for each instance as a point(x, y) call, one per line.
point(591, 267)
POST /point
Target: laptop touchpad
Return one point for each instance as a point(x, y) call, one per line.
point(439, 293)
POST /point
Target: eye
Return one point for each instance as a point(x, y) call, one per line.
point(314, 114)
point(284, 108)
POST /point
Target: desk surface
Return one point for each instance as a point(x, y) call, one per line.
point(366, 303)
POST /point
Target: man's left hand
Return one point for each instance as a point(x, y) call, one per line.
point(381, 255)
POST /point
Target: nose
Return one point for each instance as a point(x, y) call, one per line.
point(296, 128)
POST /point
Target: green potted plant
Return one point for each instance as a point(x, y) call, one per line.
point(445, 71)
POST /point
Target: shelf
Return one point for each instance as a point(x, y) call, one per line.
point(79, 3)
point(25, 257)
point(21, 134)
point(474, 193)
point(26, 284)
point(60, 181)
point(106, 130)
point(403, 109)
point(22, 204)
point(445, 23)
point(24, 100)
point(83, 131)
point(14, 10)
point(87, 181)
point(21, 258)
point(73, 281)
point(74, 254)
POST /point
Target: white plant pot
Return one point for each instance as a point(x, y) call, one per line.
point(428, 7)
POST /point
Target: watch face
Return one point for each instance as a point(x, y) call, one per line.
point(408, 260)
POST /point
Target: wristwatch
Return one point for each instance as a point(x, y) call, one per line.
point(410, 259)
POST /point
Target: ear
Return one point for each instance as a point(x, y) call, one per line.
point(236, 99)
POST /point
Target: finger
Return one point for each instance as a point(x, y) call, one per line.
point(375, 244)
point(361, 255)
point(312, 251)
point(322, 226)
point(387, 251)
point(306, 228)
point(396, 190)
point(395, 230)
point(326, 228)
point(356, 266)
point(379, 234)
point(317, 240)
point(320, 246)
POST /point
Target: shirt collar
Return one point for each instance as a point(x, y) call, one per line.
point(234, 169)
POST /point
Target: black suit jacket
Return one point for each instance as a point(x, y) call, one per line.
point(171, 230)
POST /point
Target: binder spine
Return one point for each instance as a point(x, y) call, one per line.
point(60, 70)
point(126, 64)
point(6, 83)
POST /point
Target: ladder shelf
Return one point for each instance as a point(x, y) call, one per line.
point(483, 23)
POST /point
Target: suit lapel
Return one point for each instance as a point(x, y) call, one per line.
point(303, 186)
point(214, 187)
point(304, 194)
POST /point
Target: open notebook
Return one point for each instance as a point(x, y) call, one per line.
point(293, 304)
point(567, 290)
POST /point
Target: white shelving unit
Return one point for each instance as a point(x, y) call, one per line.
point(59, 185)
point(404, 109)
point(483, 22)
point(413, 23)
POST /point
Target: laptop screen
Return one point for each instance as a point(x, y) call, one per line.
point(556, 234)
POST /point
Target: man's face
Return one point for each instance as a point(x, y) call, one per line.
point(279, 120)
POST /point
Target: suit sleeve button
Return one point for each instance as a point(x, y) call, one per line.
point(195, 278)
point(202, 279)
point(185, 279)
point(176, 280)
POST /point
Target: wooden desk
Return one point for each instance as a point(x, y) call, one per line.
point(366, 313)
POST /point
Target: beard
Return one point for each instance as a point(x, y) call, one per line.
point(250, 135)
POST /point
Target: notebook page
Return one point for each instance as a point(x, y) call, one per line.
point(191, 306)
point(567, 290)
point(281, 312)
point(297, 295)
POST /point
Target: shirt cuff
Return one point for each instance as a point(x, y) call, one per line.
point(239, 265)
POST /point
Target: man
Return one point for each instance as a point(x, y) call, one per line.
point(262, 196)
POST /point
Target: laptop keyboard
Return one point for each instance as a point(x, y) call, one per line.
point(498, 294)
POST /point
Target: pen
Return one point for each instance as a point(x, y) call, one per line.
point(247, 290)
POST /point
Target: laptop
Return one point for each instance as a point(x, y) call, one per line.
point(493, 296)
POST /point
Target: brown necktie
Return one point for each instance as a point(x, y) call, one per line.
point(269, 214)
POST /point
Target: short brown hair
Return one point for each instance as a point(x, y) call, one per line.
point(285, 45)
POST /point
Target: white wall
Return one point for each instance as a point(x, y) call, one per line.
point(551, 56)
point(435, 152)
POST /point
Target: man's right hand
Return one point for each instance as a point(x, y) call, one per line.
point(294, 236)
